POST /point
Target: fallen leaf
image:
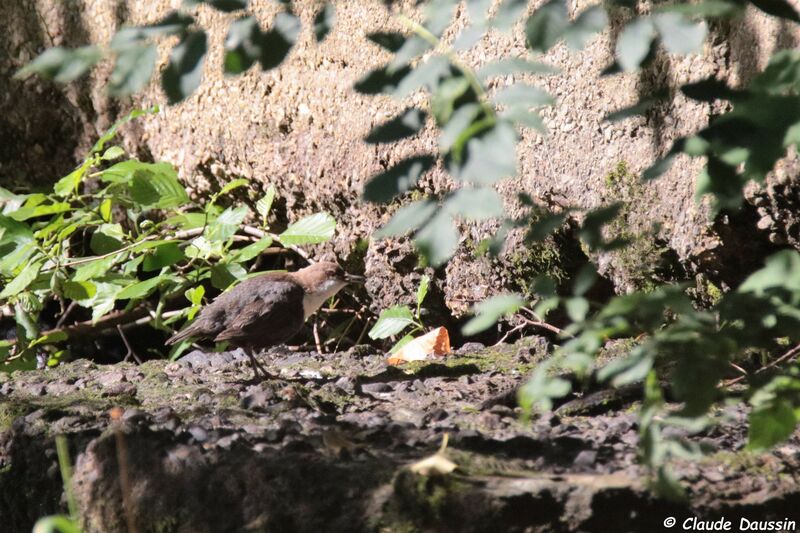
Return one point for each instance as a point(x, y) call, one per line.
point(435, 465)
point(435, 342)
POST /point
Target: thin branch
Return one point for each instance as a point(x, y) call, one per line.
point(259, 233)
point(793, 352)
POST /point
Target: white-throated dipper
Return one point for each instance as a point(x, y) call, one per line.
point(267, 310)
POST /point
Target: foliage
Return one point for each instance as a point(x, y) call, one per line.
point(117, 234)
point(394, 320)
point(682, 346)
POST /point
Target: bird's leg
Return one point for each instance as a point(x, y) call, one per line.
point(257, 367)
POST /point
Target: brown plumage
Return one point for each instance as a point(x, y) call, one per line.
point(266, 310)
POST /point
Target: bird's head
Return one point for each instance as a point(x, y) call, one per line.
point(322, 280)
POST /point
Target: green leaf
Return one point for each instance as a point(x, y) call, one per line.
point(155, 186)
point(408, 218)
point(112, 153)
point(438, 239)
point(477, 10)
point(252, 250)
point(56, 524)
point(264, 205)
point(577, 308)
point(140, 289)
point(226, 224)
point(225, 274)
point(462, 118)
point(541, 389)
point(547, 25)
point(164, 255)
point(242, 45)
point(50, 338)
point(79, 290)
point(514, 65)
point(781, 270)
point(445, 95)
point(508, 13)
point(488, 312)
point(490, 156)
point(524, 117)
point(107, 238)
point(468, 37)
point(230, 186)
point(426, 74)
point(523, 95)
point(413, 47)
point(402, 342)
point(62, 65)
point(69, 183)
point(391, 322)
point(324, 21)
point(589, 23)
point(771, 424)
point(41, 210)
point(422, 291)
point(633, 43)
point(195, 295)
point(112, 131)
point(102, 301)
point(184, 71)
point(383, 187)
point(277, 42)
point(475, 203)
point(22, 280)
point(95, 269)
point(679, 34)
point(133, 69)
point(312, 229)
point(175, 23)
point(406, 124)
point(438, 15)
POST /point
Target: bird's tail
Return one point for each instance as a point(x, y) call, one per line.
point(185, 333)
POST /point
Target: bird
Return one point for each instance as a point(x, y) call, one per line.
point(267, 310)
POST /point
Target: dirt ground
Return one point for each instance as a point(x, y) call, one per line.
point(201, 447)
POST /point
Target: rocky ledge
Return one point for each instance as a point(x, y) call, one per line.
point(195, 445)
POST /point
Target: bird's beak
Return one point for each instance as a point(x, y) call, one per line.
point(352, 278)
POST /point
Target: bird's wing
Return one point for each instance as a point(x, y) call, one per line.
point(272, 315)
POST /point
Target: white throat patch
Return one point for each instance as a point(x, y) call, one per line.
point(313, 301)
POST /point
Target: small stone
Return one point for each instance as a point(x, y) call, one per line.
point(120, 389)
point(586, 459)
point(375, 388)
point(198, 433)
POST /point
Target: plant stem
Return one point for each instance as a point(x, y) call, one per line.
point(450, 54)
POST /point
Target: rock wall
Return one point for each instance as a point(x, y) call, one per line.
point(300, 127)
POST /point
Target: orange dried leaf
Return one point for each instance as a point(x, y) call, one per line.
point(435, 342)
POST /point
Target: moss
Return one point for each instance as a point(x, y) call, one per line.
point(10, 411)
point(643, 258)
point(166, 524)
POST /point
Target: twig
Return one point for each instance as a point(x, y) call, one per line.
point(131, 352)
point(543, 325)
point(509, 332)
point(256, 232)
point(72, 305)
point(788, 355)
point(315, 330)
